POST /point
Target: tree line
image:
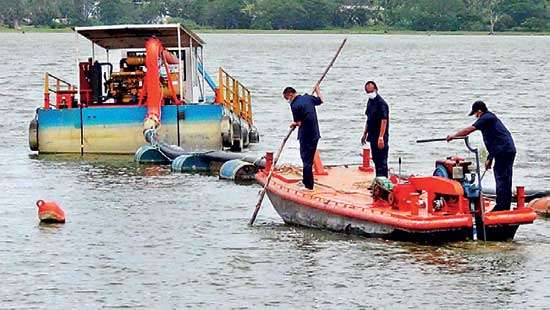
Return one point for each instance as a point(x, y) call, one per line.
point(420, 15)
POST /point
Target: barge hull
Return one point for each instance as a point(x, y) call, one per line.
point(119, 130)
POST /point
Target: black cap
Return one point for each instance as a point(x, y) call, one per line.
point(478, 106)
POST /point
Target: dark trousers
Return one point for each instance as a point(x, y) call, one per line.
point(307, 153)
point(380, 158)
point(503, 179)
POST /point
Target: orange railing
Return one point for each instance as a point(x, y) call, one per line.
point(235, 96)
point(64, 91)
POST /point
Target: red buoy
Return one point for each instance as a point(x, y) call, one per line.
point(50, 212)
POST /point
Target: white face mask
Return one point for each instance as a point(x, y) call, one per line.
point(372, 95)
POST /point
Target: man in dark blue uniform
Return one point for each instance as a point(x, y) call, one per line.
point(501, 148)
point(377, 129)
point(305, 117)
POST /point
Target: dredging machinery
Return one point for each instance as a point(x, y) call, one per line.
point(159, 82)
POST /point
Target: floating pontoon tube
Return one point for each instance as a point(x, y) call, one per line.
point(529, 194)
point(174, 151)
point(238, 170)
point(148, 154)
point(190, 163)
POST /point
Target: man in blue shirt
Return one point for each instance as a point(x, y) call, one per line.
point(377, 129)
point(501, 148)
point(305, 117)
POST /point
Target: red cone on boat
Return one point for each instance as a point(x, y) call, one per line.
point(50, 212)
point(541, 206)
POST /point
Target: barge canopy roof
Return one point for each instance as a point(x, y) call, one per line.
point(134, 36)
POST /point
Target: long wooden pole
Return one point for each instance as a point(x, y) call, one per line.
point(330, 64)
point(280, 150)
point(264, 190)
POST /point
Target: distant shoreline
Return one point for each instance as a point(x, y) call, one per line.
point(32, 29)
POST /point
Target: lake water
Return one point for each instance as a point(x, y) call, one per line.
point(142, 237)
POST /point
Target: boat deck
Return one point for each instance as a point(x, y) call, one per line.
point(343, 186)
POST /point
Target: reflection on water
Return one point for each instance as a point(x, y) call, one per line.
point(143, 237)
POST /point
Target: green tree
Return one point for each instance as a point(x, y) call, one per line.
point(43, 12)
point(113, 12)
point(188, 10)
point(435, 14)
point(153, 11)
point(521, 10)
point(278, 14)
point(78, 12)
point(227, 14)
point(12, 12)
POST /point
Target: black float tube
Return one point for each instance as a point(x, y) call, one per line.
point(276, 158)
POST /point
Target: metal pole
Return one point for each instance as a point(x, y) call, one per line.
point(93, 52)
point(76, 61)
point(203, 74)
point(180, 68)
point(191, 56)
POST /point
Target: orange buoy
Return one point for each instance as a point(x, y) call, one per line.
point(50, 212)
point(541, 206)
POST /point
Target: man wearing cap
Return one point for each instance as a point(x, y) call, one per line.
point(305, 117)
point(501, 148)
point(377, 129)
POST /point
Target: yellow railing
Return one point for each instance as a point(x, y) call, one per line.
point(235, 96)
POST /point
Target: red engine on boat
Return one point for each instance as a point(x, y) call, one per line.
point(453, 167)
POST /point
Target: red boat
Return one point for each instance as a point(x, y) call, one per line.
point(348, 198)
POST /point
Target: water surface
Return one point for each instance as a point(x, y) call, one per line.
point(142, 237)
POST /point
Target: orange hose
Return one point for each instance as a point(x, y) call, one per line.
point(152, 87)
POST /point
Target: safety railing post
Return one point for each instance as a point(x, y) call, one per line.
point(249, 99)
point(236, 103)
point(46, 91)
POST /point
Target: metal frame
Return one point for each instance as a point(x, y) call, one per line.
point(180, 65)
point(195, 42)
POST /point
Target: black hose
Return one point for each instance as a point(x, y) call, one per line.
point(174, 151)
point(529, 194)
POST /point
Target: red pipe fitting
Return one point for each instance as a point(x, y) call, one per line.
point(366, 161)
point(520, 194)
point(268, 161)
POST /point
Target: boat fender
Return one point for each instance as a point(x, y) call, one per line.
point(191, 163)
point(33, 133)
point(237, 144)
point(50, 212)
point(541, 206)
point(226, 130)
point(238, 170)
point(254, 135)
point(245, 136)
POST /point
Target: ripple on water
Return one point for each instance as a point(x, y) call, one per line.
point(142, 237)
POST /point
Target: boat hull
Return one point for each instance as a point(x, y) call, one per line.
point(296, 214)
point(341, 203)
point(119, 129)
